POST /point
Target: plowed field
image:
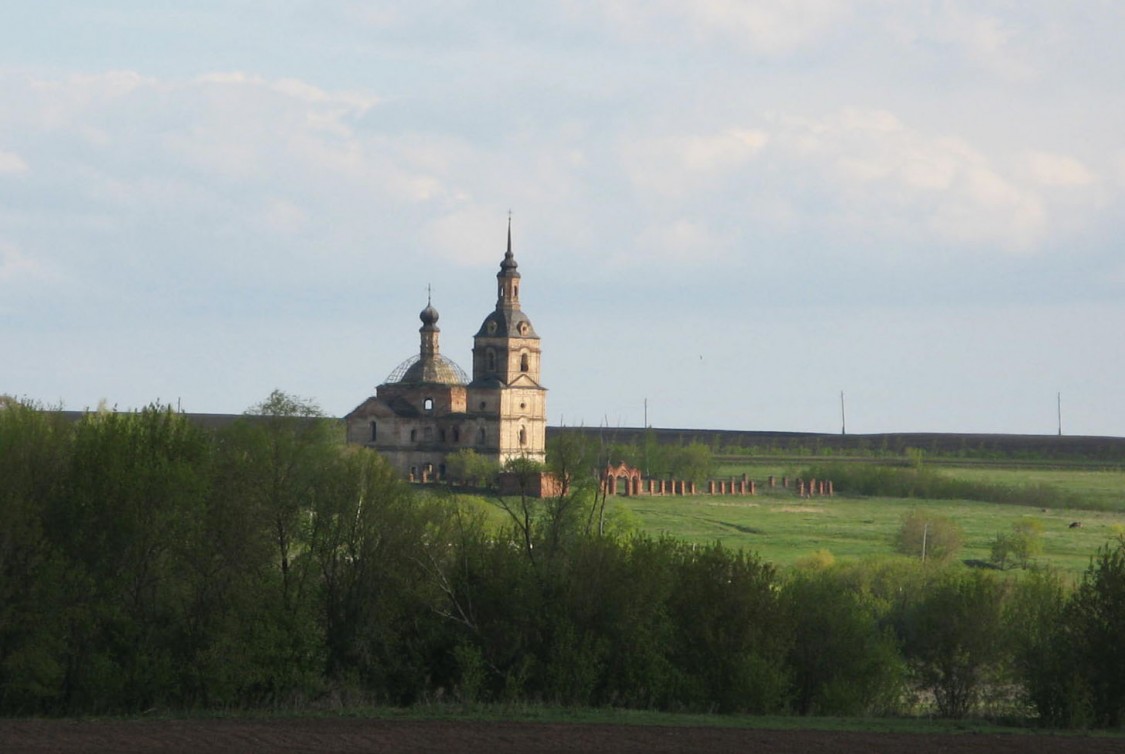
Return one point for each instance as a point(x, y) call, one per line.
point(353, 735)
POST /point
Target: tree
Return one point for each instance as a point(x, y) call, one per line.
point(34, 455)
point(1092, 628)
point(1019, 546)
point(692, 462)
point(468, 467)
point(929, 537)
point(842, 661)
point(954, 639)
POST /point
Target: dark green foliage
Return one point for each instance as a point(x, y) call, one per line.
point(1085, 683)
point(954, 639)
point(145, 563)
point(842, 660)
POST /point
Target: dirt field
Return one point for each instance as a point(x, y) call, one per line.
point(350, 735)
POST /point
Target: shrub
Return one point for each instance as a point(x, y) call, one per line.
point(929, 537)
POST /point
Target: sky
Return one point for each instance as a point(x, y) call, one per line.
point(730, 212)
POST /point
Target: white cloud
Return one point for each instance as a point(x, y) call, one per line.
point(1058, 170)
point(10, 163)
point(679, 242)
point(15, 266)
point(467, 236)
point(762, 26)
point(678, 165)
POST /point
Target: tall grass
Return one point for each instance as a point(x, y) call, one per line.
point(925, 483)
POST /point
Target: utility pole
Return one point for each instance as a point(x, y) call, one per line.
point(925, 531)
point(843, 421)
point(646, 437)
point(1058, 400)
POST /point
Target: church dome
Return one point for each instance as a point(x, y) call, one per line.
point(435, 370)
point(506, 324)
point(429, 316)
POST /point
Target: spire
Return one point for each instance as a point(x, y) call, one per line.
point(509, 262)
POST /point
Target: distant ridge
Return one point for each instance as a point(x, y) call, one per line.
point(1095, 448)
point(944, 443)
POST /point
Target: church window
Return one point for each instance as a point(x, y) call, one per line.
point(523, 436)
point(443, 434)
point(413, 435)
point(374, 432)
point(483, 405)
point(428, 434)
point(523, 362)
point(490, 358)
point(516, 290)
point(480, 436)
point(428, 404)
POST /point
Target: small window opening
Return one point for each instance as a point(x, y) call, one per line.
point(374, 432)
point(443, 435)
point(490, 357)
point(483, 405)
point(523, 363)
point(523, 436)
point(456, 434)
point(428, 404)
point(428, 434)
point(413, 435)
point(480, 436)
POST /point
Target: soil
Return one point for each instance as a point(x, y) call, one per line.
point(354, 735)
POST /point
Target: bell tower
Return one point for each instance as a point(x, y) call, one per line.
point(505, 390)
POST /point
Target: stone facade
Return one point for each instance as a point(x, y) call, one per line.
point(428, 408)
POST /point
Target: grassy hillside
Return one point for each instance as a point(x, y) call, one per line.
point(784, 529)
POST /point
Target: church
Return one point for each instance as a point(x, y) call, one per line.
point(428, 408)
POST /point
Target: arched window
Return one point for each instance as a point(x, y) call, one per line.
point(428, 404)
point(480, 436)
point(374, 432)
point(413, 435)
point(443, 434)
point(523, 436)
point(523, 362)
point(490, 360)
point(428, 434)
point(456, 434)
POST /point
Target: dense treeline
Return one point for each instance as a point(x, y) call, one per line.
point(145, 563)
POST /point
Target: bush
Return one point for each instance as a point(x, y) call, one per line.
point(929, 537)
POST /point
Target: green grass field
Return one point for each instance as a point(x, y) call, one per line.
point(783, 528)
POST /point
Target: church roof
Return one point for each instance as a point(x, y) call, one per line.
point(436, 369)
point(508, 323)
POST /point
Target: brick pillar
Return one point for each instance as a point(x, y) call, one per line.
point(710, 486)
point(691, 486)
point(753, 488)
point(831, 491)
point(812, 487)
point(772, 482)
point(800, 484)
point(822, 487)
point(785, 482)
